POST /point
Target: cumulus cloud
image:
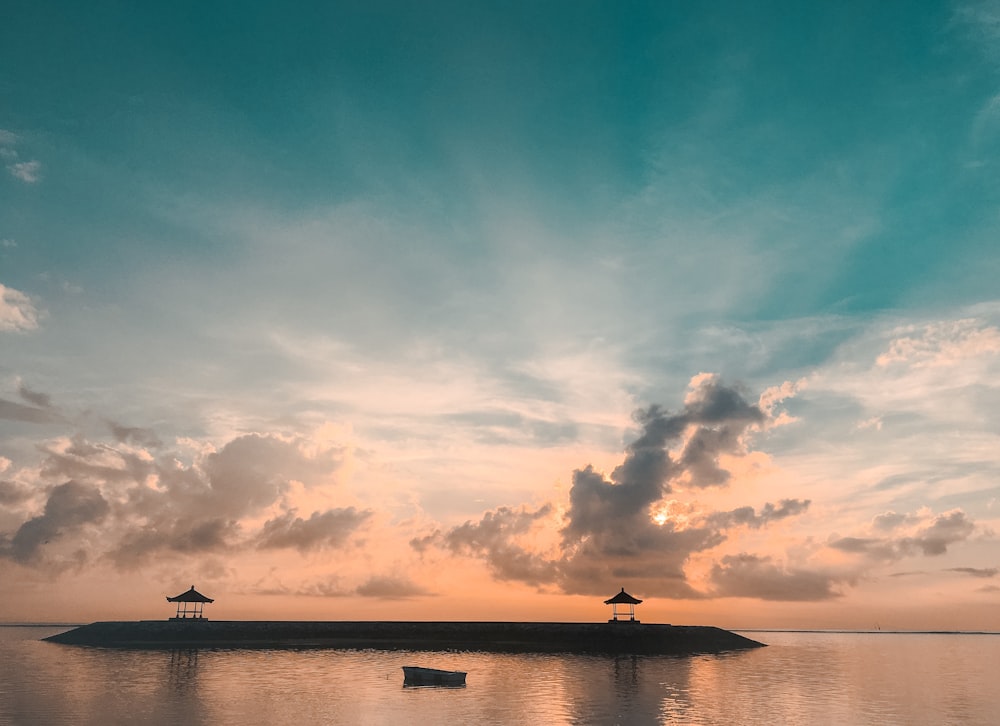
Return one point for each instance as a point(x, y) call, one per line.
point(323, 529)
point(197, 536)
point(494, 539)
point(153, 502)
point(17, 312)
point(747, 575)
point(616, 528)
point(609, 533)
point(69, 506)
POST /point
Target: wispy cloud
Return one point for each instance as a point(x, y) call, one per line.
point(29, 172)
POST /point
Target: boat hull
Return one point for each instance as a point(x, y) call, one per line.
point(417, 676)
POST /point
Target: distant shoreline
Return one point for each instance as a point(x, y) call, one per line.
point(835, 631)
point(509, 637)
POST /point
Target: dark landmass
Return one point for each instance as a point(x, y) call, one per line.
point(619, 638)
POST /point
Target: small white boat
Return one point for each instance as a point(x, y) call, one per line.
point(417, 676)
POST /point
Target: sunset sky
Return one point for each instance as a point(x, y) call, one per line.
point(452, 310)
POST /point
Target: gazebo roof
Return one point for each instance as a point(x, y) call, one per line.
point(623, 598)
point(191, 595)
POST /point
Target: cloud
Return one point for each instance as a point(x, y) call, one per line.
point(17, 312)
point(929, 536)
point(30, 172)
point(745, 516)
point(946, 529)
point(747, 575)
point(253, 471)
point(940, 344)
point(198, 508)
point(13, 493)
point(975, 571)
point(195, 536)
point(389, 587)
point(69, 506)
point(13, 411)
point(981, 20)
point(323, 529)
point(493, 539)
point(42, 400)
point(157, 502)
point(7, 138)
point(135, 435)
point(888, 521)
point(610, 532)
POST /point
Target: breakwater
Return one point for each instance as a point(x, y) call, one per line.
point(617, 637)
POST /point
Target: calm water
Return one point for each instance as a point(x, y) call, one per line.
point(802, 678)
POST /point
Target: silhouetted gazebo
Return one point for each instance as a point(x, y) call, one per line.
point(623, 598)
point(189, 604)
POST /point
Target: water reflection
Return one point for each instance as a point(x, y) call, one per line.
point(799, 679)
point(183, 672)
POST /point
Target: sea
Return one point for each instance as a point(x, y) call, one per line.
point(800, 678)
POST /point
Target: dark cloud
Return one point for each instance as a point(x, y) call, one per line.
point(946, 529)
point(42, 400)
point(197, 508)
point(931, 540)
point(69, 506)
point(134, 435)
point(746, 575)
point(159, 506)
point(11, 411)
point(888, 521)
point(493, 539)
point(196, 536)
point(323, 529)
point(243, 476)
point(391, 588)
point(745, 516)
point(874, 548)
point(975, 571)
point(608, 534)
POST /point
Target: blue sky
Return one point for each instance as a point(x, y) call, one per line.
point(447, 252)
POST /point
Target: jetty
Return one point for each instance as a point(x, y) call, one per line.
point(189, 628)
point(621, 637)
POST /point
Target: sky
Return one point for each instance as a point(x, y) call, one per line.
point(485, 311)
